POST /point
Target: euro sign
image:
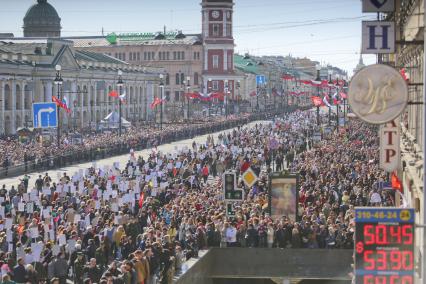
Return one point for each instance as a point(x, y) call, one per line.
point(377, 98)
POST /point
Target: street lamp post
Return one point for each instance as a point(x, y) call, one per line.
point(188, 86)
point(58, 82)
point(318, 68)
point(330, 72)
point(209, 88)
point(239, 96)
point(337, 105)
point(226, 98)
point(161, 97)
point(120, 84)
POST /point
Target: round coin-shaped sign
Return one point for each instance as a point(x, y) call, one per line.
point(378, 94)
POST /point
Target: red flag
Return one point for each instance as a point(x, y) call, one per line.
point(245, 166)
point(60, 104)
point(396, 183)
point(113, 94)
point(141, 198)
point(287, 77)
point(156, 102)
point(404, 74)
point(174, 172)
point(316, 101)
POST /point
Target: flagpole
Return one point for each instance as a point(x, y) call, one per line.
point(119, 85)
point(58, 82)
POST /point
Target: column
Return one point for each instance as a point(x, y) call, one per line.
point(95, 103)
point(13, 118)
point(206, 59)
point(48, 94)
point(82, 94)
point(2, 98)
point(23, 94)
point(225, 59)
point(145, 101)
point(72, 98)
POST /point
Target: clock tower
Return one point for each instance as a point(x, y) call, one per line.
point(218, 42)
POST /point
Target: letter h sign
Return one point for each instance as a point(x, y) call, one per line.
point(378, 37)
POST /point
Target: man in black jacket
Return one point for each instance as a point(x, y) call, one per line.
point(19, 272)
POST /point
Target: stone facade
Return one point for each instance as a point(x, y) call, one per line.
point(28, 76)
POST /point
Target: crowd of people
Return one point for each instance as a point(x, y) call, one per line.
point(34, 151)
point(140, 222)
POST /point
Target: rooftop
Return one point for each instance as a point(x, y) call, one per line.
point(136, 39)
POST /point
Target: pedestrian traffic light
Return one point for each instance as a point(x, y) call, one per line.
point(230, 190)
point(230, 209)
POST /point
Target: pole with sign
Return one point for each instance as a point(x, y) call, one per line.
point(384, 245)
point(230, 190)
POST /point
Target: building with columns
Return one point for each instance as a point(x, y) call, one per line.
point(27, 73)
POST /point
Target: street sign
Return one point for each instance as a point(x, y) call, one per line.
point(260, 80)
point(45, 115)
point(378, 37)
point(384, 245)
point(376, 6)
point(249, 177)
point(230, 190)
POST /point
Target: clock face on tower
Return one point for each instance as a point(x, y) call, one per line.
point(215, 14)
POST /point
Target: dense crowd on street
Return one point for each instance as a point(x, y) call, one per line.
point(139, 222)
point(14, 152)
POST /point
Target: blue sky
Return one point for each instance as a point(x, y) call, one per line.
point(328, 31)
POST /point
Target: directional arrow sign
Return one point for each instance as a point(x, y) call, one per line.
point(45, 115)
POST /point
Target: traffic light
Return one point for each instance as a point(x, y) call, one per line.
point(230, 190)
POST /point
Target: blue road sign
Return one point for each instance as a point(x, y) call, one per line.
point(45, 115)
point(260, 80)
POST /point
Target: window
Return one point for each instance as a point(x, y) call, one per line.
point(160, 56)
point(152, 55)
point(177, 79)
point(195, 55)
point(168, 55)
point(229, 30)
point(115, 55)
point(167, 79)
point(144, 56)
point(139, 56)
point(215, 61)
point(178, 55)
point(177, 93)
point(174, 55)
point(168, 96)
point(124, 56)
point(182, 78)
point(215, 85)
point(215, 29)
point(134, 55)
point(229, 62)
point(130, 56)
point(182, 55)
point(195, 78)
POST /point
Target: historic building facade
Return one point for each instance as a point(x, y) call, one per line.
point(218, 43)
point(409, 55)
point(27, 73)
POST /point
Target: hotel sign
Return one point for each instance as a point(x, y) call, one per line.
point(378, 94)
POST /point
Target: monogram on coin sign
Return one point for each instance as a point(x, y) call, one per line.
point(378, 94)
